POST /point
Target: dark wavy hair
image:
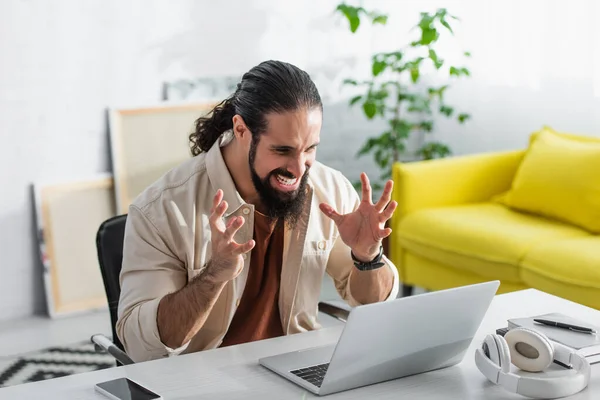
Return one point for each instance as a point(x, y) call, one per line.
point(271, 86)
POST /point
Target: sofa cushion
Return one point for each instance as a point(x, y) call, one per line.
point(559, 177)
point(569, 268)
point(487, 239)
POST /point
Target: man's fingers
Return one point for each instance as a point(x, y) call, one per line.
point(233, 226)
point(388, 212)
point(243, 248)
point(385, 197)
point(217, 200)
point(331, 213)
point(218, 212)
point(383, 233)
point(366, 188)
point(246, 247)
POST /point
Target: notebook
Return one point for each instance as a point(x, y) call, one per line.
point(586, 344)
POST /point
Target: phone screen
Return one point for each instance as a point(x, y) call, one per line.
point(125, 389)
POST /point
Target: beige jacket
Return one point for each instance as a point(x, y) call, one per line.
point(167, 243)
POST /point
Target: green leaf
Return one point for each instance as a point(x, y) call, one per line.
point(403, 96)
point(447, 25)
point(433, 150)
point(400, 146)
point(355, 100)
point(379, 67)
point(368, 146)
point(402, 129)
point(429, 35)
point(426, 21)
point(427, 126)
point(379, 95)
point(438, 62)
point(414, 74)
point(467, 54)
point(354, 23)
point(463, 117)
point(459, 71)
point(395, 84)
point(447, 111)
point(433, 55)
point(351, 14)
point(419, 103)
point(395, 55)
point(380, 157)
point(439, 92)
point(380, 19)
point(441, 12)
point(370, 109)
point(350, 82)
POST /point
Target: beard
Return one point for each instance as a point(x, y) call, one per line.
point(278, 204)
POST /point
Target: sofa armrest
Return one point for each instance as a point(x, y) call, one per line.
point(452, 181)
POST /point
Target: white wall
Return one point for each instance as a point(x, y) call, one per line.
point(63, 62)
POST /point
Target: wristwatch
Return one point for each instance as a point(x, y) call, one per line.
point(370, 265)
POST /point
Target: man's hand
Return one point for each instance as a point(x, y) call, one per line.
point(181, 314)
point(226, 261)
point(364, 229)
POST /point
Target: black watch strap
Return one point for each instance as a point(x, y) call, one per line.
point(370, 265)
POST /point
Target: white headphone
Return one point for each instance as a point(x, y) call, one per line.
point(531, 351)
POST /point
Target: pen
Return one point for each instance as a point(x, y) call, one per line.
point(565, 326)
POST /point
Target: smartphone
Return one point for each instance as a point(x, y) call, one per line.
point(125, 389)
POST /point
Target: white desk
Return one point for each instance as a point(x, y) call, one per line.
point(233, 373)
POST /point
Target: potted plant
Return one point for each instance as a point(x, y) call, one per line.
point(398, 92)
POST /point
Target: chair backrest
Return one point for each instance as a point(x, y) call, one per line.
point(109, 243)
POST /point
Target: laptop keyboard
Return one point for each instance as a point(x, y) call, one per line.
point(314, 374)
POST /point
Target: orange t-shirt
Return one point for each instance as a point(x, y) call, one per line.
point(257, 316)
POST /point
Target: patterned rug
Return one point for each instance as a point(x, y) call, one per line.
point(53, 362)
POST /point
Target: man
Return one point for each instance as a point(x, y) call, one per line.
point(232, 245)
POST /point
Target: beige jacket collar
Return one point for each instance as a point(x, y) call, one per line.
point(220, 177)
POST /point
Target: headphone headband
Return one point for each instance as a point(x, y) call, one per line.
point(532, 386)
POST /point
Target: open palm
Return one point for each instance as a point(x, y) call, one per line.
point(363, 229)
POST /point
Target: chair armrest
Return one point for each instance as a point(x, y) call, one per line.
point(452, 181)
point(334, 311)
point(105, 344)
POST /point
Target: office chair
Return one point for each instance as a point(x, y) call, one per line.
point(109, 243)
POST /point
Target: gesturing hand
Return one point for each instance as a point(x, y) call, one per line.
point(227, 261)
point(364, 229)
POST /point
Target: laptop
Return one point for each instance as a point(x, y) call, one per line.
point(389, 340)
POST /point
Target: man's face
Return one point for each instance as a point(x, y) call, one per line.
point(281, 158)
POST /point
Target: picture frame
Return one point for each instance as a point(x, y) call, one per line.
point(148, 141)
point(68, 214)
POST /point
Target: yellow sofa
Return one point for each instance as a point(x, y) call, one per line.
point(454, 227)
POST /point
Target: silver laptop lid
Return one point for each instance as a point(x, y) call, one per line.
point(410, 335)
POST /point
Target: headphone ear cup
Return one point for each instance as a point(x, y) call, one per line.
point(491, 349)
point(505, 359)
point(498, 351)
point(529, 350)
